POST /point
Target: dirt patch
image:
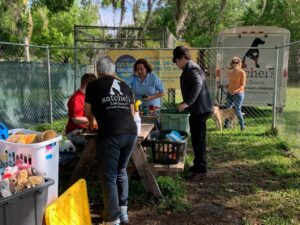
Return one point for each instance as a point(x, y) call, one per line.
point(211, 201)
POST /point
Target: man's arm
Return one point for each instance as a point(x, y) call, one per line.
point(75, 111)
point(197, 82)
point(80, 120)
point(88, 112)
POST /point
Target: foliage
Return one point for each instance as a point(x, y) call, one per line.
point(50, 30)
point(58, 126)
point(58, 5)
point(13, 20)
point(204, 19)
point(277, 13)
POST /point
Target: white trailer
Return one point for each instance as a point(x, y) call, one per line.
point(256, 46)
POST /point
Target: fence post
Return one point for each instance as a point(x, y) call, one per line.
point(49, 86)
point(75, 64)
point(275, 90)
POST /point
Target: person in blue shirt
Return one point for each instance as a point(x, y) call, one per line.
point(146, 85)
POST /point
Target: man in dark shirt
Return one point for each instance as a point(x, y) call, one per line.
point(111, 102)
point(197, 100)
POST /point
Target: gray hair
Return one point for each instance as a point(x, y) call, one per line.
point(105, 66)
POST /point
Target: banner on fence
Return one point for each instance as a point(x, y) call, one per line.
point(160, 60)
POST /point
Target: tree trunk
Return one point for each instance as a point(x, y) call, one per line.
point(264, 4)
point(181, 15)
point(28, 31)
point(221, 11)
point(135, 11)
point(123, 9)
point(150, 4)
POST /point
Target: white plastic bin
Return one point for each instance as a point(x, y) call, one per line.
point(43, 156)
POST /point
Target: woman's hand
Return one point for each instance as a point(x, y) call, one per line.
point(147, 98)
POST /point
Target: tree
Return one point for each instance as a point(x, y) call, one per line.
point(56, 29)
point(198, 21)
point(55, 5)
point(277, 13)
point(13, 20)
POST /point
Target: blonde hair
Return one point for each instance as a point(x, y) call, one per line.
point(235, 61)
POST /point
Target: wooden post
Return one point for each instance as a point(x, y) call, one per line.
point(140, 161)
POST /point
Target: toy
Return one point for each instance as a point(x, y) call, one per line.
point(4, 188)
point(35, 172)
point(33, 181)
point(10, 171)
point(137, 105)
point(16, 179)
point(21, 180)
point(31, 138)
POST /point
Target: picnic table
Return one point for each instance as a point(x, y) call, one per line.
point(139, 159)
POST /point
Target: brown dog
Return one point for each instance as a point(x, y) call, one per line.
point(220, 115)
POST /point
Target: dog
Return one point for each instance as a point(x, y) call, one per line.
point(253, 53)
point(220, 115)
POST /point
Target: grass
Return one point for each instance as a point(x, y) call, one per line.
point(289, 120)
point(271, 172)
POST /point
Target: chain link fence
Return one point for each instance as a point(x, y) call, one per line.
point(37, 81)
point(34, 87)
point(288, 120)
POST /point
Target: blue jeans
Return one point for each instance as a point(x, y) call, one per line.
point(113, 154)
point(236, 100)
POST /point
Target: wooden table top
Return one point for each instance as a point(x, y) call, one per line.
point(145, 131)
point(146, 128)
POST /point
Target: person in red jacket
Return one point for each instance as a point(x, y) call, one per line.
point(77, 119)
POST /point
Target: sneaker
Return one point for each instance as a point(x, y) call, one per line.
point(124, 218)
point(196, 176)
point(116, 222)
point(108, 223)
point(124, 215)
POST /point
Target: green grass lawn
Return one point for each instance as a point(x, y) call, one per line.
point(272, 174)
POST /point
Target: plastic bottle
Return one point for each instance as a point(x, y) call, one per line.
point(137, 117)
point(138, 121)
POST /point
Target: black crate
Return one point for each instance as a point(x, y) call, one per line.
point(165, 151)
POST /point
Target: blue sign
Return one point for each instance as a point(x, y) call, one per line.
point(124, 67)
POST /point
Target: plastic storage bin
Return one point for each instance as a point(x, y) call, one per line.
point(165, 151)
point(26, 207)
point(71, 208)
point(43, 156)
point(171, 119)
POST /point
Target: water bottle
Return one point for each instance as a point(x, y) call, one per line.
point(138, 121)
